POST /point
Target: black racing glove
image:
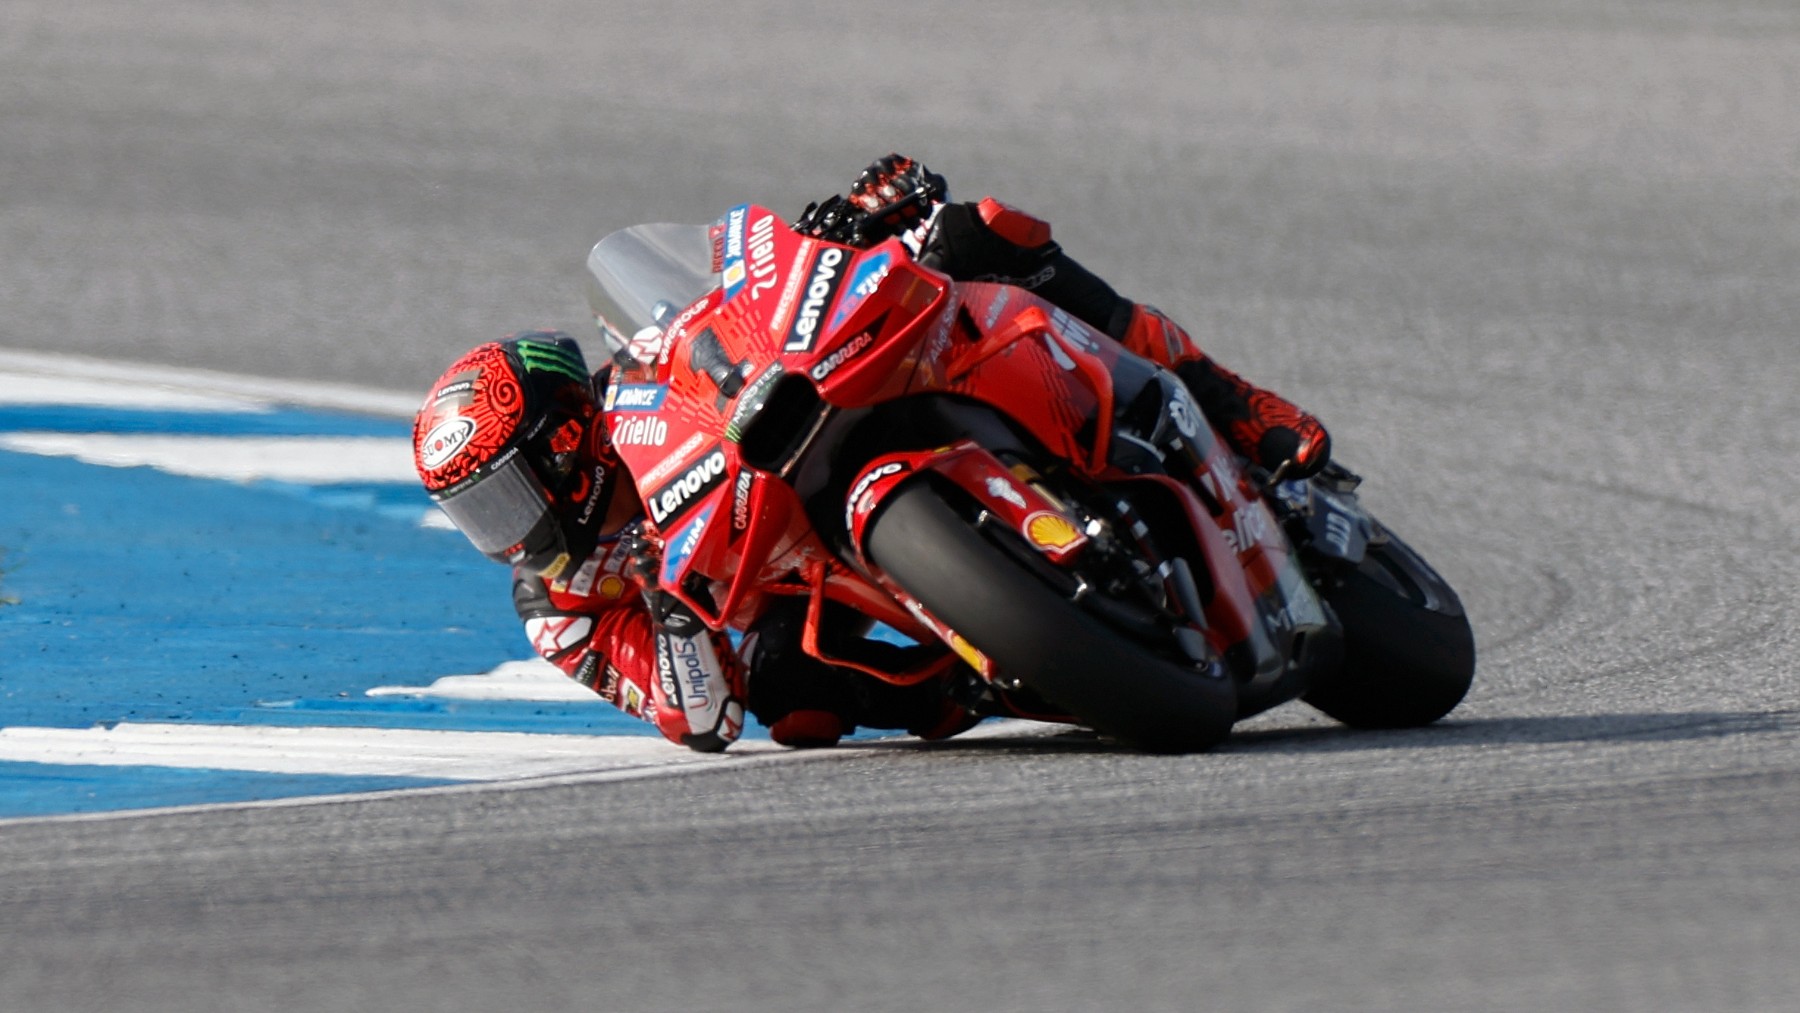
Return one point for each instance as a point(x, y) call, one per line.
point(892, 195)
point(898, 191)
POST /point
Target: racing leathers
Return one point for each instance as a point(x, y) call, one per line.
point(668, 669)
point(652, 658)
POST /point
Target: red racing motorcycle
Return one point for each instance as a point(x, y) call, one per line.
point(1046, 518)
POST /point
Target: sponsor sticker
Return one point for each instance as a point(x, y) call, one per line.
point(1185, 413)
point(639, 431)
point(863, 283)
point(740, 500)
point(844, 353)
point(1000, 488)
point(634, 397)
point(1048, 530)
point(855, 505)
point(676, 459)
point(750, 401)
point(967, 652)
point(732, 273)
point(688, 488)
point(682, 546)
point(444, 440)
point(761, 241)
point(821, 289)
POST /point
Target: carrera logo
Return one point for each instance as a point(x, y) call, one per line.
point(830, 363)
point(740, 504)
point(444, 440)
point(674, 499)
point(821, 289)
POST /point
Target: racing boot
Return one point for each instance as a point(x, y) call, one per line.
point(1256, 422)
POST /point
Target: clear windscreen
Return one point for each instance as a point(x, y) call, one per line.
point(641, 278)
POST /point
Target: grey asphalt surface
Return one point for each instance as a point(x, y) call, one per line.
point(1535, 263)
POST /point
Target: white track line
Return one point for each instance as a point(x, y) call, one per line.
point(311, 460)
point(345, 751)
point(38, 378)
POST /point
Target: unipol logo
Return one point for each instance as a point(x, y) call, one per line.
point(444, 440)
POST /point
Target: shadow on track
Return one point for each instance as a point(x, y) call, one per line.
point(1644, 727)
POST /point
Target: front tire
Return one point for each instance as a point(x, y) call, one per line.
point(1409, 653)
point(1062, 652)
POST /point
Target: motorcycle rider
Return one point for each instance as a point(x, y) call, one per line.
point(506, 443)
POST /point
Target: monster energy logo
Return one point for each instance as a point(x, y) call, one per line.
point(544, 357)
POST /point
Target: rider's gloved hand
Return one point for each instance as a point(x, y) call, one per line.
point(893, 178)
point(895, 194)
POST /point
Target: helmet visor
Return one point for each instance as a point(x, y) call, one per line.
point(499, 510)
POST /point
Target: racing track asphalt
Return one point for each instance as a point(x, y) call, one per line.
point(1535, 266)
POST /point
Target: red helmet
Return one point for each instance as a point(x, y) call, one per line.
point(503, 444)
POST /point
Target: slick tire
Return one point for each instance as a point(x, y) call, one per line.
point(1028, 630)
point(1409, 653)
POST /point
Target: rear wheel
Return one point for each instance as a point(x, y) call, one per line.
point(1409, 653)
point(1056, 647)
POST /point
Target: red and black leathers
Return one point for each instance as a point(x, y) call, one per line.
point(595, 625)
point(990, 241)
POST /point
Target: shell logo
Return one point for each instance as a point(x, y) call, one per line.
point(1050, 531)
point(612, 587)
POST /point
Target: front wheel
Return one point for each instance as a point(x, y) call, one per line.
point(1053, 645)
point(1409, 653)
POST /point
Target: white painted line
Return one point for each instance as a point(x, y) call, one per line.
point(510, 680)
point(306, 459)
point(40, 378)
point(18, 388)
point(352, 752)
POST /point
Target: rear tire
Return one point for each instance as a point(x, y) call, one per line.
point(1068, 656)
point(1409, 653)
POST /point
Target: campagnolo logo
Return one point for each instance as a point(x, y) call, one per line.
point(444, 440)
point(819, 291)
point(684, 490)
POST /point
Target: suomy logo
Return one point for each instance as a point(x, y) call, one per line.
point(444, 440)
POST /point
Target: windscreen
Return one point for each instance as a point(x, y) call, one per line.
point(641, 278)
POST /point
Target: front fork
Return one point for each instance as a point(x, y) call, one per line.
point(1286, 633)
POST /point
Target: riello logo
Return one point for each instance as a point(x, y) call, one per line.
point(444, 440)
